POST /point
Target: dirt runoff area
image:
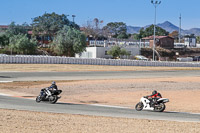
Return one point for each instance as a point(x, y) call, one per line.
point(181, 91)
point(14, 121)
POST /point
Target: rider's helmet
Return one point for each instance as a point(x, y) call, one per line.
point(53, 83)
point(154, 92)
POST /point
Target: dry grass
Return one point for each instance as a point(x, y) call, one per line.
point(72, 67)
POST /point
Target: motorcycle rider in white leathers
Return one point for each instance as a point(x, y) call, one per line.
point(51, 88)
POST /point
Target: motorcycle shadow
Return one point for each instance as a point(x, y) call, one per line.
point(170, 112)
point(67, 103)
point(166, 112)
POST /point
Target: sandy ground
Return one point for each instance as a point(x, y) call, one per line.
point(13, 121)
point(181, 91)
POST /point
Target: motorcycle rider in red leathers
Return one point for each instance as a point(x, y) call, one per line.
point(153, 98)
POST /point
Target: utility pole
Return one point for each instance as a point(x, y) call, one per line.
point(180, 29)
point(155, 3)
point(73, 16)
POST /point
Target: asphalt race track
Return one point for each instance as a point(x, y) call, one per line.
point(29, 104)
point(70, 108)
point(35, 76)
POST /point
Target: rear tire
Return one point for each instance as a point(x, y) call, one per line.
point(53, 99)
point(139, 106)
point(160, 107)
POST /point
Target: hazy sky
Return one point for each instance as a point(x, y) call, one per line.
point(131, 12)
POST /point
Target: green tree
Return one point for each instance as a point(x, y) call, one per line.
point(12, 36)
point(116, 52)
point(150, 31)
point(123, 36)
point(21, 44)
point(50, 23)
point(124, 52)
point(116, 29)
point(4, 40)
point(14, 29)
point(69, 41)
point(136, 36)
point(198, 39)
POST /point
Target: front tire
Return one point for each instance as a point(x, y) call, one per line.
point(38, 99)
point(139, 106)
point(160, 107)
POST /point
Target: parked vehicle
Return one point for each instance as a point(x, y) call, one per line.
point(196, 58)
point(185, 59)
point(53, 98)
point(140, 57)
point(3, 55)
point(147, 104)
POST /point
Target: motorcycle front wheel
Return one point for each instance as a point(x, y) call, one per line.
point(160, 107)
point(38, 99)
point(139, 106)
point(53, 99)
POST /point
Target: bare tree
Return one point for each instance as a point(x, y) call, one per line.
point(94, 29)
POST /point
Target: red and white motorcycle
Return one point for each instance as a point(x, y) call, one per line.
point(157, 104)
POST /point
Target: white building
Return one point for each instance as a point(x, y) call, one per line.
point(190, 41)
point(101, 52)
point(125, 42)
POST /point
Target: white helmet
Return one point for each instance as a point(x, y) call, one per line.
point(53, 83)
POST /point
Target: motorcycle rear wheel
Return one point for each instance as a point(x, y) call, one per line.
point(139, 106)
point(53, 99)
point(160, 107)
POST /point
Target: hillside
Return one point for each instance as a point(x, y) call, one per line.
point(168, 26)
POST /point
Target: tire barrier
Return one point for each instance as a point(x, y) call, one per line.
point(31, 59)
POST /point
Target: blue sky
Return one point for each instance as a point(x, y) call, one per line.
point(131, 12)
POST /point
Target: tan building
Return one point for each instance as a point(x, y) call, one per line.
point(161, 41)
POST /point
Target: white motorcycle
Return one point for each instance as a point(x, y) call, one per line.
point(157, 104)
point(48, 95)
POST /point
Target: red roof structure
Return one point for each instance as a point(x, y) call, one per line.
point(162, 41)
point(4, 26)
point(82, 28)
point(156, 37)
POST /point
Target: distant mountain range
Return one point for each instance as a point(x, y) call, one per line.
point(168, 26)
